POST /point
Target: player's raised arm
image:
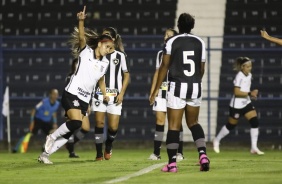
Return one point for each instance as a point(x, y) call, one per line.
point(81, 17)
point(266, 36)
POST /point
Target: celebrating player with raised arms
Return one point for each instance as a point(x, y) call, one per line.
point(91, 68)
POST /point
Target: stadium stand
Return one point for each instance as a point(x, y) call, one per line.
point(37, 57)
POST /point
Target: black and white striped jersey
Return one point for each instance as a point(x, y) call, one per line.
point(163, 87)
point(114, 76)
point(187, 52)
point(89, 70)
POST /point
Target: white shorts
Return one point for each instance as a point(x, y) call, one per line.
point(160, 104)
point(179, 103)
point(99, 106)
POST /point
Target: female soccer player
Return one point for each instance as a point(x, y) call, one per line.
point(241, 105)
point(184, 60)
point(117, 79)
point(160, 107)
point(116, 56)
point(85, 127)
point(77, 94)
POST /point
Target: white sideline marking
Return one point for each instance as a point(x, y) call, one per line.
point(138, 173)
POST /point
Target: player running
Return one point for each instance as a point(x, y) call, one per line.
point(241, 105)
point(85, 127)
point(92, 66)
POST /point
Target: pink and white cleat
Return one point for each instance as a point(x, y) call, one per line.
point(170, 168)
point(204, 162)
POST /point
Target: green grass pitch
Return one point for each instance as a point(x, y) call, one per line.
point(228, 167)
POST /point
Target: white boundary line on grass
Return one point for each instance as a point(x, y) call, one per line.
point(138, 173)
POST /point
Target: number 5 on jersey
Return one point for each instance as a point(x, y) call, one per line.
point(190, 62)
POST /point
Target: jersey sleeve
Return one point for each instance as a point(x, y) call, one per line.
point(167, 47)
point(237, 81)
point(39, 105)
point(124, 63)
point(158, 60)
point(203, 51)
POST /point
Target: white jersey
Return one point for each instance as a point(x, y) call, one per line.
point(89, 71)
point(113, 77)
point(244, 83)
point(163, 87)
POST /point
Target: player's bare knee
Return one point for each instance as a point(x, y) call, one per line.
point(100, 124)
point(230, 126)
point(113, 128)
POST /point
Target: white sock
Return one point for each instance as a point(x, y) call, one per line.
point(222, 133)
point(62, 130)
point(58, 144)
point(254, 137)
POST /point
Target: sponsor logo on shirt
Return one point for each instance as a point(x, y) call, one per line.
point(164, 86)
point(82, 92)
point(109, 92)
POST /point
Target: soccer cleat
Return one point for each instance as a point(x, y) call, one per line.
point(73, 155)
point(99, 159)
point(170, 168)
point(216, 146)
point(49, 143)
point(154, 157)
point(179, 157)
point(108, 155)
point(44, 159)
point(204, 162)
point(257, 152)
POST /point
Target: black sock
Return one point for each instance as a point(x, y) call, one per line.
point(99, 147)
point(70, 147)
point(110, 139)
point(158, 139)
point(180, 147)
point(80, 134)
point(199, 138)
point(99, 135)
point(172, 143)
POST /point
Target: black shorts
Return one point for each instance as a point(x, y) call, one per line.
point(237, 113)
point(46, 127)
point(70, 101)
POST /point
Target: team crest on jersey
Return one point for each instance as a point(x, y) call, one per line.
point(75, 103)
point(236, 115)
point(116, 61)
point(97, 103)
